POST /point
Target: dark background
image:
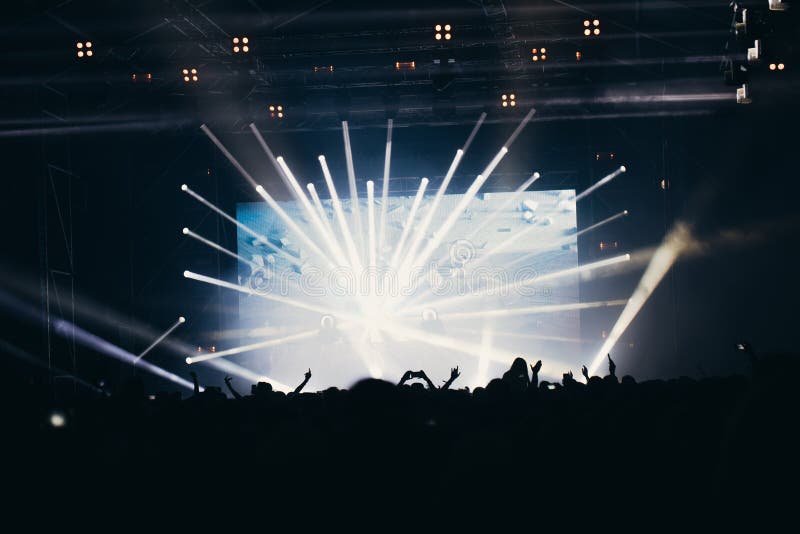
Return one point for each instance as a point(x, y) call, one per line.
point(93, 161)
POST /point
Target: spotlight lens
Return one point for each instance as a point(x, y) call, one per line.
point(596, 22)
point(513, 103)
point(447, 36)
point(447, 27)
point(597, 31)
point(185, 78)
point(186, 274)
point(181, 319)
point(272, 108)
point(235, 49)
point(245, 49)
point(88, 44)
point(438, 27)
point(438, 36)
point(245, 40)
point(194, 78)
point(184, 187)
point(781, 66)
point(188, 360)
point(504, 97)
point(280, 115)
point(623, 168)
point(512, 96)
point(585, 22)
point(544, 50)
point(280, 108)
point(186, 71)
point(235, 40)
point(505, 104)
point(80, 53)
point(79, 45)
point(57, 420)
point(535, 58)
point(587, 32)
point(89, 53)
point(772, 66)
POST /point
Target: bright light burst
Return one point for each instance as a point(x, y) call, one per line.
point(353, 283)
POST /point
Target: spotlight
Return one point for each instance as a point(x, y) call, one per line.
point(84, 49)
point(188, 360)
point(442, 32)
point(57, 420)
point(240, 44)
point(184, 187)
point(405, 65)
point(181, 319)
point(743, 95)
point(591, 27)
point(776, 66)
point(538, 54)
point(275, 111)
point(189, 75)
point(507, 100)
point(185, 231)
point(578, 56)
point(778, 5)
point(323, 68)
point(754, 53)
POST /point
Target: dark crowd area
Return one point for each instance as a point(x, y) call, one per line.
point(518, 445)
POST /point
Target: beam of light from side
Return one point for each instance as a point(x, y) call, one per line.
point(253, 346)
point(326, 223)
point(474, 132)
point(268, 151)
point(503, 245)
point(275, 298)
point(230, 368)
point(261, 239)
point(293, 226)
point(224, 250)
point(519, 128)
point(423, 184)
point(505, 288)
point(351, 182)
point(482, 371)
point(533, 310)
point(603, 181)
point(66, 329)
point(227, 154)
point(266, 196)
point(159, 339)
point(371, 222)
point(387, 160)
point(568, 239)
point(422, 229)
point(665, 256)
point(344, 228)
point(329, 240)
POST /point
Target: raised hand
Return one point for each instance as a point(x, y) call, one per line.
point(612, 367)
point(227, 379)
point(454, 373)
point(308, 373)
point(535, 368)
point(585, 372)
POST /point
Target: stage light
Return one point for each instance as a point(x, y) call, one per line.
point(84, 49)
point(538, 54)
point(778, 5)
point(781, 66)
point(276, 111)
point(181, 319)
point(241, 45)
point(57, 420)
point(324, 68)
point(578, 56)
point(189, 74)
point(443, 32)
point(743, 95)
point(507, 100)
point(754, 53)
point(591, 27)
point(405, 65)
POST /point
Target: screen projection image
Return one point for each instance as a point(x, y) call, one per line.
point(405, 297)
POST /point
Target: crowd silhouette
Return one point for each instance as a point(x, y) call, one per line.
point(693, 445)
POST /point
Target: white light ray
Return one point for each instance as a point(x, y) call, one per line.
point(371, 222)
point(275, 298)
point(224, 250)
point(253, 346)
point(352, 252)
point(261, 239)
point(385, 188)
point(532, 310)
point(160, 338)
point(409, 223)
point(601, 183)
point(665, 256)
point(505, 288)
point(351, 182)
point(228, 367)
